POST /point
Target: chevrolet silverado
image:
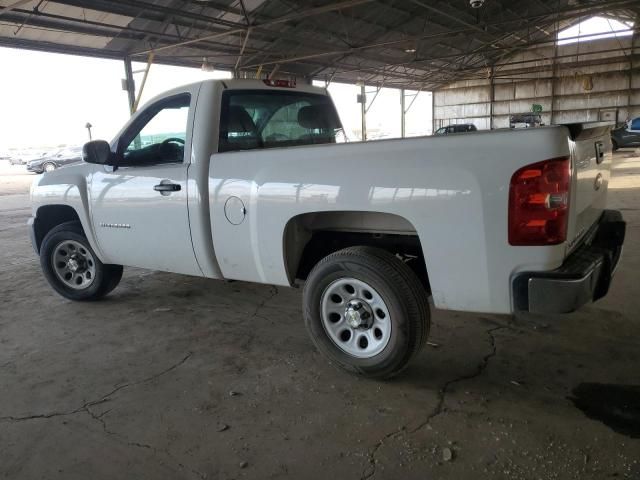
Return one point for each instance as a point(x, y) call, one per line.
point(252, 180)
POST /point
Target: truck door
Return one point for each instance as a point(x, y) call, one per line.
point(139, 209)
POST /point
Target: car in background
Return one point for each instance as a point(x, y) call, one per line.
point(627, 135)
point(16, 159)
point(56, 159)
point(525, 120)
point(458, 128)
point(23, 157)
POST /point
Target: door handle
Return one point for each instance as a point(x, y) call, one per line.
point(167, 187)
point(599, 152)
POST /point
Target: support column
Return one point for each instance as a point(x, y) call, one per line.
point(492, 97)
point(630, 91)
point(130, 83)
point(144, 82)
point(403, 111)
point(433, 112)
point(553, 80)
point(363, 110)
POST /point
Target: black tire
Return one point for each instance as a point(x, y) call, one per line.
point(44, 167)
point(106, 277)
point(402, 292)
point(614, 145)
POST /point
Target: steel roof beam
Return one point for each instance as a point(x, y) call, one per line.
point(284, 19)
point(103, 29)
point(13, 6)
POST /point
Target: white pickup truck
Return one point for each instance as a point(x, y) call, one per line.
point(251, 180)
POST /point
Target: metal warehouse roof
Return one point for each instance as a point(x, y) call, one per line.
point(403, 43)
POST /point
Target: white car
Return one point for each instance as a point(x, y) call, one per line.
point(25, 156)
point(246, 180)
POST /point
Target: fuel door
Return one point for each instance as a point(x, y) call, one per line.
point(235, 210)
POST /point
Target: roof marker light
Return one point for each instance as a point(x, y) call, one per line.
point(280, 83)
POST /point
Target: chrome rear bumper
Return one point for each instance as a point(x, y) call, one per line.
point(585, 275)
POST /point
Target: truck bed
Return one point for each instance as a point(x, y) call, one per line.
point(453, 191)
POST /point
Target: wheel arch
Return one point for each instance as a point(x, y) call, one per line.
point(309, 237)
point(50, 216)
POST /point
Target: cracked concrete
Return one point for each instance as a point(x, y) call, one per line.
point(138, 386)
point(482, 365)
point(92, 403)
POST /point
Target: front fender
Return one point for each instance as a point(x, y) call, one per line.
point(67, 186)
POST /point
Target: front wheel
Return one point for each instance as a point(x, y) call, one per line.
point(614, 145)
point(49, 167)
point(366, 310)
point(71, 266)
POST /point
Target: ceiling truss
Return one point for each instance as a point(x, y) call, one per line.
point(417, 44)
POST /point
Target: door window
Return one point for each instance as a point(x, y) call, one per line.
point(158, 136)
point(635, 124)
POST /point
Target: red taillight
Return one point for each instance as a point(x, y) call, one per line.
point(539, 203)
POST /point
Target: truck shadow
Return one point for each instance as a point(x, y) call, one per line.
point(473, 364)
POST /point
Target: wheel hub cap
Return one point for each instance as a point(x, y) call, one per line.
point(73, 264)
point(355, 317)
point(358, 313)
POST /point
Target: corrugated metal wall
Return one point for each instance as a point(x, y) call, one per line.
point(592, 81)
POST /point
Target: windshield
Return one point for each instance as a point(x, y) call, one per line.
point(254, 119)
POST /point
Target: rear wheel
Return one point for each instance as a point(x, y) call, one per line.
point(71, 266)
point(366, 311)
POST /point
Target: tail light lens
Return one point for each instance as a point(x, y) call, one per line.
point(539, 203)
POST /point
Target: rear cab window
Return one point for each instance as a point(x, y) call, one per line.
point(260, 119)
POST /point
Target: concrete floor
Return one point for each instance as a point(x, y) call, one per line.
point(175, 377)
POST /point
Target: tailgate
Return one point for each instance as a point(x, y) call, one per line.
point(591, 157)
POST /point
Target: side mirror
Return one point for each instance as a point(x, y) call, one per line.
point(97, 151)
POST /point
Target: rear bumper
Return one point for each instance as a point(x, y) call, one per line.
point(584, 277)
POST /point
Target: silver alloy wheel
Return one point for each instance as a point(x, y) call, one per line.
point(74, 265)
point(355, 317)
point(49, 167)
